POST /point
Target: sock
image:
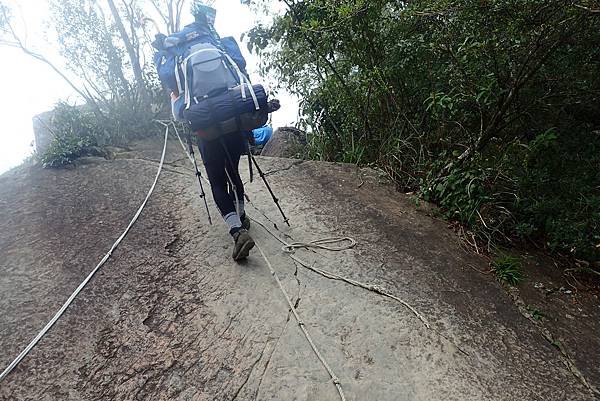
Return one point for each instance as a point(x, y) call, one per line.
point(233, 222)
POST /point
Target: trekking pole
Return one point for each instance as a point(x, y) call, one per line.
point(264, 178)
point(250, 162)
point(199, 176)
point(262, 175)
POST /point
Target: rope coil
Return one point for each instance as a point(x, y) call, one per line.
point(370, 287)
point(321, 244)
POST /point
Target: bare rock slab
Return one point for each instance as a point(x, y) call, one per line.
point(172, 317)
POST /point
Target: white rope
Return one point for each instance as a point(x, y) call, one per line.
point(183, 147)
point(302, 326)
point(321, 244)
point(190, 158)
point(60, 312)
point(371, 287)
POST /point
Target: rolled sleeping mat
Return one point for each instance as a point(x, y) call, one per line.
point(224, 106)
point(243, 122)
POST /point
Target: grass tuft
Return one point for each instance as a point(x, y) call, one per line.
point(508, 269)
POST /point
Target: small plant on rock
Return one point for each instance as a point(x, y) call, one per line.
point(536, 313)
point(508, 269)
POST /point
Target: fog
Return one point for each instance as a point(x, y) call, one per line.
point(31, 87)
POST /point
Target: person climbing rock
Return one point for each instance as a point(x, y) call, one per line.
point(221, 154)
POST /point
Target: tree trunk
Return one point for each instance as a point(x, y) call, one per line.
point(133, 56)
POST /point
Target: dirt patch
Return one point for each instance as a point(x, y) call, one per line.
point(567, 307)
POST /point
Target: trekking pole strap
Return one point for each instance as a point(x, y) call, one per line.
point(192, 158)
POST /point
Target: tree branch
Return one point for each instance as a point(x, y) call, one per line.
point(135, 62)
point(590, 10)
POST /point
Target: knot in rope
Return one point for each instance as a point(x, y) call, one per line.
point(377, 288)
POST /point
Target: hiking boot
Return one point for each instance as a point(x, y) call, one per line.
point(243, 244)
point(245, 222)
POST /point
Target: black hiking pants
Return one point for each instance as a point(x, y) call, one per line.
point(221, 157)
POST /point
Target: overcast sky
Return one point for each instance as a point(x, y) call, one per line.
point(30, 87)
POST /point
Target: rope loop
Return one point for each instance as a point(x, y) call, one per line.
point(322, 244)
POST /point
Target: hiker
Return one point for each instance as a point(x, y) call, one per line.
point(221, 158)
point(210, 90)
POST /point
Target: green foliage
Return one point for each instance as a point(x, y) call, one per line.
point(491, 109)
point(559, 196)
point(65, 149)
point(536, 313)
point(105, 52)
point(508, 269)
point(76, 133)
point(89, 45)
point(121, 86)
point(461, 194)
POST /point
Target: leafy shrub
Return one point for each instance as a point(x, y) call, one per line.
point(490, 109)
point(82, 130)
point(461, 194)
point(76, 133)
point(65, 149)
point(559, 193)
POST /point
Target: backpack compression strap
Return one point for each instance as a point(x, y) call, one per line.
point(243, 82)
point(178, 79)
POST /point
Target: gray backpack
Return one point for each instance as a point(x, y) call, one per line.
point(209, 71)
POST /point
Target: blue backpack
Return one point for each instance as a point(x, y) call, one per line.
point(211, 74)
point(173, 50)
point(230, 46)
